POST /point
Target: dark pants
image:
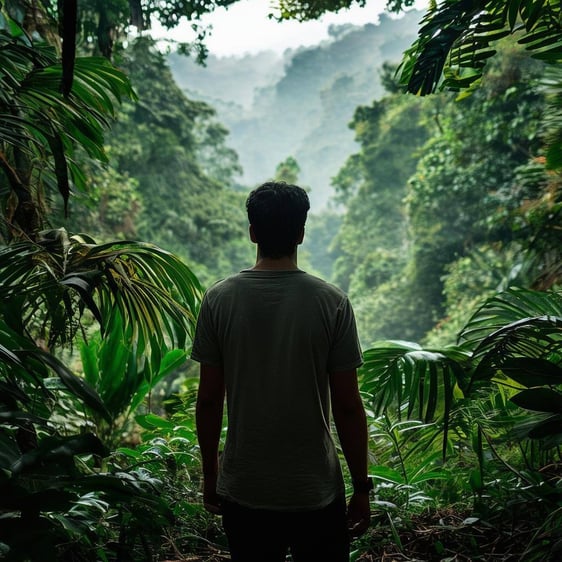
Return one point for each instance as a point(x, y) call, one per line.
point(260, 535)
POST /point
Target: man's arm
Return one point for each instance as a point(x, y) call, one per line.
point(351, 424)
point(208, 413)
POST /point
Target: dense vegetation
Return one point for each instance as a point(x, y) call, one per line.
point(448, 243)
point(319, 86)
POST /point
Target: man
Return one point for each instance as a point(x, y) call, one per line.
point(281, 344)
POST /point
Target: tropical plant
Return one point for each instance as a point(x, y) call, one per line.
point(53, 477)
point(56, 286)
point(500, 384)
point(133, 288)
point(175, 151)
point(41, 128)
point(457, 38)
point(513, 337)
point(54, 489)
point(123, 379)
point(170, 452)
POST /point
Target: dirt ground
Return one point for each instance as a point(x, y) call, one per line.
point(441, 537)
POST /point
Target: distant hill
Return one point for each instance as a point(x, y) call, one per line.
point(298, 104)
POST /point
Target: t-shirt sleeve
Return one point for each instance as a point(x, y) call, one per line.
point(345, 353)
point(205, 348)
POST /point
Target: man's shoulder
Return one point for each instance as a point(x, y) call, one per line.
point(223, 285)
point(319, 282)
point(299, 280)
point(321, 285)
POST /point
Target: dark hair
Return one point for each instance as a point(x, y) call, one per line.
point(277, 212)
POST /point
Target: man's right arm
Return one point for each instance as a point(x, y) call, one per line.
point(209, 411)
point(351, 424)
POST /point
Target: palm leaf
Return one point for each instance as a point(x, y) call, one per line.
point(500, 340)
point(155, 294)
point(402, 374)
point(456, 39)
point(512, 305)
point(48, 124)
point(403, 377)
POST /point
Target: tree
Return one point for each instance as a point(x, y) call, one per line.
point(303, 10)
point(176, 152)
point(466, 179)
point(501, 383)
point(53, 287)
point(42, 128)
point(373, 241)
point(288, 171)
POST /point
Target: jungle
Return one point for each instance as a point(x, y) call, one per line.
point(123, 200)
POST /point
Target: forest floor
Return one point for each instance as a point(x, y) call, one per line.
point(442, 536)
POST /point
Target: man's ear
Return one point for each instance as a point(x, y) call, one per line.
point(253, 235)
point(301, 237)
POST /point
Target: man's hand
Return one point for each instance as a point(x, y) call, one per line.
point(358, 514)
point(211, 500)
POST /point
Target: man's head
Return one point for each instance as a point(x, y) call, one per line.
point(277, 213)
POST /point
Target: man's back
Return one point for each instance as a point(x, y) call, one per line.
point(277, 335)
point(281, 345)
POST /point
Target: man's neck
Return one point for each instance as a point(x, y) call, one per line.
point(286, 263)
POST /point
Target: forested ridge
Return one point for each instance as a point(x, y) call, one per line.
point(318, 86)
point(123, 198)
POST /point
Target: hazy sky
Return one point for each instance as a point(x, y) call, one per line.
point(245, 28)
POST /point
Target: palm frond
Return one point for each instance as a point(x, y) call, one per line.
point(152, 291)
point(37, 118)
point(424, 384)
point(456, 38)
point(411, 379)
point(512, 305)
point(515, 338)
point(23, 366)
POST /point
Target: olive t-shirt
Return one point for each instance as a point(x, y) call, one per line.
point(277, 336)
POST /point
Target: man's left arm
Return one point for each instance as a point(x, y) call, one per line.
point(351, 424)
point(209, 412)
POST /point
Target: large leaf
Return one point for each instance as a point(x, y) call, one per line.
point(132, 287)
point(48, 124)
point(539, 400)
point(60, 452)
point(402, 373)
point(75, 384)
point(401, 376)
point(531, 372)
point(456, 37)
point(508, 307)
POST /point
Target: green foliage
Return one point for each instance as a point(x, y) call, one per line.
point(109, 210)
point(513, 333)
point(176, 152)
point(131, 288)
point(500, 386)
point(321, 229)
point(303, 10)
point(481, 214)
point(457, 38)
point(318, 86)
point(373, 183)
point(54, 490)
point(553, 117)
point(470, 280)
point(122, 379)
point(53, 476)
point(372, 243)
point(288, 171)
point(466, 186)
point(41, 128)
